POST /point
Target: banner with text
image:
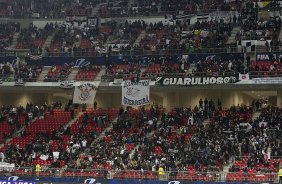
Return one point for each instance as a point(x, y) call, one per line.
point(93, 180)
point(267, 56)
point(193, 81)
point(274, 80)
point(85, 93)
point(144, 59)
point(135, 93)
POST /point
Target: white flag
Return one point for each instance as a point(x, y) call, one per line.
point(56, 156)
point(136, 93)
point(84, 94)
point(67, 84)
point(244, 76)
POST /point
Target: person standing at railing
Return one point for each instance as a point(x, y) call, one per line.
point(280, 175)
point(38, 169)
point(161, 172)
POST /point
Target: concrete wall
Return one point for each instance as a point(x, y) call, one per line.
point(22, 98)
point(192, 98)
point(113, 99)
point(279, 98)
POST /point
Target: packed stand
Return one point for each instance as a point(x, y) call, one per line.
point(87, 73)
point(27, 73)
point(58, 73)
point(15, 70)
point(7, 32)
point(64, 39)
point(33, 38)
point(163, 148)
point(109, 151)
point(177, 142)
point(6, 71)
point(124, 71)
point(161, 7)
point(191, 7)
point(217, 66)
point(93, 39)
point(12, 119)
point(258, 27)
point(145, 8)
point(114, 9)
point(124, 35)
point(35, 141)
point(40, 9)
point(272, 68)
point(259, 140)
point(181, 37)
point(151, 67)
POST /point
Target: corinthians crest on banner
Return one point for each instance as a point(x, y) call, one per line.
point(84, 94)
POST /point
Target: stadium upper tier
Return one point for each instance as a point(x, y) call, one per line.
point(82, 32)
point(64, 8)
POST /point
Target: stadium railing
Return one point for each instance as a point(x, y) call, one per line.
point(141, 174)
point(153, 76)
point(141, 52)
point(125, 52)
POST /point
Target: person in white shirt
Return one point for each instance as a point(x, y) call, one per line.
point(84, 143)
point(2, 156)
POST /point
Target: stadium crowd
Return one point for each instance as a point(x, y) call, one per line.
point(182, 139)
point(199, 139)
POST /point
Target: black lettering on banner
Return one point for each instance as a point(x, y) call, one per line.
point(192, 81)
point(174, 182)
point(219, 80)
point(142, 101)
point(226, 80)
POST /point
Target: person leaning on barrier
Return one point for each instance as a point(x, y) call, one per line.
point(37, 169)
point(280, 175)
point(161, 172)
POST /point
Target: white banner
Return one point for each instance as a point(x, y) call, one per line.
point(135, 93)
point(274, 80)
point(67, 84)
point(56, 156)
point(4, 166)
point(244, 76)
point(84, 93)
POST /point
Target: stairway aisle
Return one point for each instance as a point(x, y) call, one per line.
point(232, 38)
point(44, 72)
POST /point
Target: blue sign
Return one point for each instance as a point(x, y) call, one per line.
point(142, 60)
point(93, 180)
point(8, 59)
point(15, 182)
point(266, 57)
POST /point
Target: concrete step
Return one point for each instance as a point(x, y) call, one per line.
point(100, 74)
point(73, 120)
point(15, 40)
point(73, 73)
point(256, 115)
point(49, 40)
point(139, 38)
point(192, 67)
point(234, 31)
point(44, 72)
point(148, 135)
point(18, 133)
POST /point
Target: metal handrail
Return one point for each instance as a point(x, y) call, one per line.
point(111, 77)
point(189, 175)
point(252, 74)
point(133, 52)
point(137, 52)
